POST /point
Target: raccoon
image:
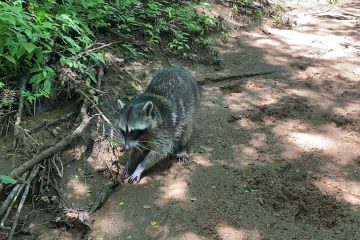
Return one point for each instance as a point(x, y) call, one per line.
point(158, 122)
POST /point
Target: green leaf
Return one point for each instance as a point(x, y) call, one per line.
point(37, 78)
point(47, 85)
point(39, 55)
point(91, 75)
point(7, 180)
point(10, 59)
point(29, 47)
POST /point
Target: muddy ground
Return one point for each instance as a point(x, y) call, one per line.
point(273, 156)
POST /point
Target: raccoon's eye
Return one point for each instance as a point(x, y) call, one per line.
point(136, 134)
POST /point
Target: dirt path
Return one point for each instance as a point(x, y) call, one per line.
point(274, 156)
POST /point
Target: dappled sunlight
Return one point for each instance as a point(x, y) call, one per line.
point(246, 123)
point(342, 189)
point(78, 189)
point(328, 48)
point(110, 225)
point(311, 141)
point(258, 139)
point(203, 160)
point(323, 100)
point(211, 100)
point(253, 93)
point(349, 109)
point(176, 189)
point(157, 232)
point(235, 102)
point(298, 136)
point(188, 236)
point(227, 232)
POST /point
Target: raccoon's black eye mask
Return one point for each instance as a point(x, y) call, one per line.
point(134, 134)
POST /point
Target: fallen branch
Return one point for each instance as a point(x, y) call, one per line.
point(51, 150)
point(226, 78)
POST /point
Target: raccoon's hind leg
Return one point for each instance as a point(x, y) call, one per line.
point(181, 151)
point(131, 163)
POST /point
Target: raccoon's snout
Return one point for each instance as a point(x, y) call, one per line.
point(129, 144)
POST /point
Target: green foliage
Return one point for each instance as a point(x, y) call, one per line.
point(170, 23)
point(32, 34)
point(247, 7)
point(7, 180)
point(37, 35)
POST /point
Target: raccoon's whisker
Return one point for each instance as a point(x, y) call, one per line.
point(138, 148)
point(148, 148)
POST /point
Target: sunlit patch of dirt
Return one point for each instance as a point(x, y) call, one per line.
point(78, 189)
point(308, 141)
point(176, 190)
point(341, 189)
point(226, 232)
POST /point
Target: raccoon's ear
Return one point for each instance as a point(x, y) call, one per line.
point(148, 107)
point(121, 105)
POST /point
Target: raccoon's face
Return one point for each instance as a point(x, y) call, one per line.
point(136, 119)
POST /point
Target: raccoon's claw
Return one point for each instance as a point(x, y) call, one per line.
point(124, 175)
point(182, 157)
point(135, 177)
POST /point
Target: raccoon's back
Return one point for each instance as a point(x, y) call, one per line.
point(175, 84)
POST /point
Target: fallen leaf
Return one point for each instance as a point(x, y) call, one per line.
point(147, 207)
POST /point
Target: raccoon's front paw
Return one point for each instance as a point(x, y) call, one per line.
point(135, 177)
point(182, 157)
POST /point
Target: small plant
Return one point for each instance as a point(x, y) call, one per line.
point(247, 7)
point(276, 12)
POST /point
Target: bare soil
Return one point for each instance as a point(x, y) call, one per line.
point(273, 156)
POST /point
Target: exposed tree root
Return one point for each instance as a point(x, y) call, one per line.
point(48, 171)
point(33, 174)
point(51, 150)
point(17, 131)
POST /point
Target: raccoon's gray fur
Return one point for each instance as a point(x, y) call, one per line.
point(160, 120)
